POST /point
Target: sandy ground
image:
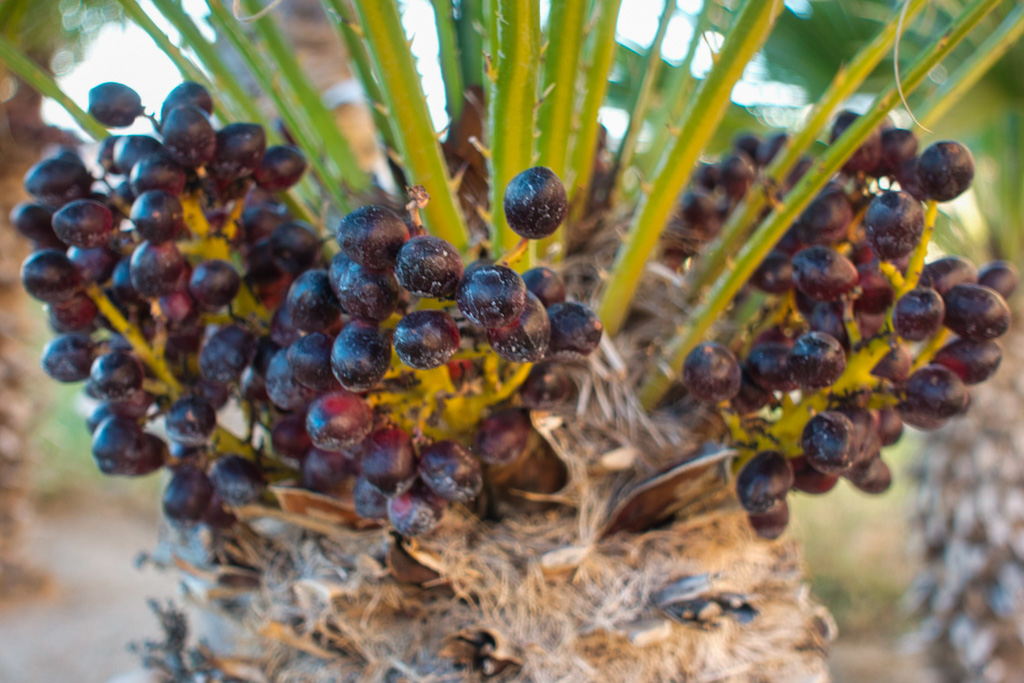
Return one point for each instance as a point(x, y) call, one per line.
point(96, 604)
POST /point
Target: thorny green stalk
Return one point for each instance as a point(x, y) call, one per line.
point(558, 93)
point(743, 217)
point(226, 24)
point(335, 146)
point(967, 75)
point(451, 66)
point(771, 231)
point(513, 102)
point(223, 79)
point(705, 113)
point(417, 140)
point(638, 111)
point(45, 85)
point(341, 16)
point(471, 46)
point(595, 85)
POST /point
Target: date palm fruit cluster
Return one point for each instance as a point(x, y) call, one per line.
point(858, 336)
point(375, 367)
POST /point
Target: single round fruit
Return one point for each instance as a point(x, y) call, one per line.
point(866, 158)
point(972, 361)
point(116, 375)
point(363, 293)
point(876, 292)
point(918, 314)
point(158, 216)
point(429, 266)
point(338, 420)
point(775, 274)
point(312, 303)
point(295, 247)
point(77, 314)
point(711, 372)
point(977, 313)
point(191, 421)
point(946, 273)
point(281, 167)
point(932, 394)
point(240, 148)
point(893, 224)
point(491, 295)
point(156, 269)
point(283, 389)
point(547, 387)
point(827, 219)
point(120, 447)
point(525, 340)
point(426, 339)
point(545, 284)
point(575, 331)
point(890, 426)
point(416, 512)
point(872, 477)
point(772, 524)
point(388, 460)
point(369, 501)
point(945, 170)
point(189, 137)
point(69, 357)
point(822, 273)
point(898, 147)
point(187, 93)
point(226, 353)
point(323, 471)
point(114, 104)
point(237, 481)
point(48, 275)
point(35, 222)
point(288, 437)
point(129, 150)
point(361, 355)
point(763, 482)
point(766, 365)
point(826, 442)
point(214, 284)
point(1000, 276)
point(451, 471)
point(84, 223)
point(895, 365)
point(372, 236)
point(816, 360)
point(58, 180)
point(535, 203)
point(187, 495)
point(310, 359)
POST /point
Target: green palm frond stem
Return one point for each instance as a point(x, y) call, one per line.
point(469, 25)
point(335, 147)
point(407, 106)
point(43, 83)
point(226, 25)
point(558, 93)
point(512, 105)
point(451, 65)
point(845, 84)
point(601, 54)
point(341, 15)
point(776, 224)
point(638, 111)
point(967, 75)
point(749, 31)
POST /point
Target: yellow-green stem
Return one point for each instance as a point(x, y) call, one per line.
point(451, 66)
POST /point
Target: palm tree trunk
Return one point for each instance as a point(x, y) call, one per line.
point(969, 518)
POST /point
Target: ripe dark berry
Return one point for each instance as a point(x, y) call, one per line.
point(769, 148)
point(429, 266)
point(890, 426)
point(191, 421)
point(389, 461)
point(712, 373)
point(451, 471)
point(772, 524)
point(416, 512)
point(158, 216)
point(312, 303)
point(58, 180)
point(372, 236)
point(826, 442)
point(945, 170)
point(368, 500)
point(157, 171)
point(131, 149)
point(116, 375)
point(214, 284)
point(976, 312)
point(933, 394)
point(426, 339)
point(240, 148)
point(187, 93)
point(872, 477)
point(502, 437)
point(93, 265)
point(816, 360)
point(535, 203)
point(338, 420)
point(547, 387)
point(115, 105)
point(822, 273)
point(294, 247)
point(810, 480)
point(738, 173)
point(48, 275)
point(491, 295)
point(35, 222)
point(189, 137)
point(876, 293)
point(918, 314)
point(323, 471)
point(187, 495)
point(525, 340)
point(748, 143)
point(77, 314)
point(972, 361)
point(310, 360)
point(363, 293)
point(156, 269)
point(288, 436)
point(763, 482)
point(361, 355)
point(893, 224)
point(105, 154)
point(867, 156)
point(68, 358)
point(282, 388)
point(766, 365)
point(826, 220)
point(84, 223)
point(575, 331)
point(1000, 276)
point(236, 481)
point(864, 441)
point(898, 147)
point(281, 167)
point(775, 274)
point(895, 365)
point(226, 353)
point(699, 213)
point(945, 273)
point(545, 284)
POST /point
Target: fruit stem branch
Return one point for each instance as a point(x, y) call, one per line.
point(772, 230)
point(134, 337)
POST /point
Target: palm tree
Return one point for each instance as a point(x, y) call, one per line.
point(613, 547)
